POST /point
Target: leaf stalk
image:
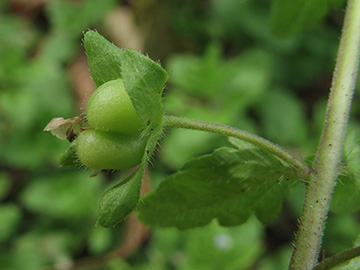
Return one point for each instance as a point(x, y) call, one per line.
point(170, 121)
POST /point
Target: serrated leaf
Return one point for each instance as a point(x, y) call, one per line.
point(228, 185)
point(119, 201)
point(288, 18)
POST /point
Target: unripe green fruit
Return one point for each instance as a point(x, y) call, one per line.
point(100, 150)
point(110, 109)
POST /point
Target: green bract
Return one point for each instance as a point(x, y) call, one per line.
point(110, 109)
point(103, 150)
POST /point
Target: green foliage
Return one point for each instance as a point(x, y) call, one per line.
point(354, 263)
point(346, 197)
point(228, 185)
point(74, 195)
point(288, 18)
point(119, 201)
point(5, 183)
point(221, 248)
point(217, 90)
point(336, 240)
point(10, 215)
point(143, 80)
point(226, 66)
point(283, 118)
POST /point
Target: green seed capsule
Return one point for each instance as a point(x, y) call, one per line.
point(110, 109)
point(100, 150)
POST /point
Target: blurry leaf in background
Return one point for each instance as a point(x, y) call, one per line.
point(354, 263)
point(346, 198)
point(69, 20)
point(199, 77)
point(100, 239)
point(10, 216)
point(340, 233)
point(288, 18)
point(34, 250)
point(69, 196)
point(5, 184)
point(228, 185)
point(213, 89)
point(283, 118)
point(229, 85)
point(73, 17)
point(211, 247)
point(245, 23)
point(278, 259)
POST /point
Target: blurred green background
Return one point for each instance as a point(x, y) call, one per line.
point(225, 66)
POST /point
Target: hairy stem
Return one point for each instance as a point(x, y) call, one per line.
point(326, 166)
point(170, 121)
point(338, 258)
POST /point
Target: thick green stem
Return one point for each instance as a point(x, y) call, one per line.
point(326, 166)
point(181, 122)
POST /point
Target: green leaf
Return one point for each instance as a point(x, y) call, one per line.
point(228, 184)
point(290, 17)
point(119, 201)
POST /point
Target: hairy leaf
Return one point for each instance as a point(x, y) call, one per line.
point(228, 185)
point(119, 201)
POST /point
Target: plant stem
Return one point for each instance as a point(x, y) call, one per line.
point(170, 121)
point(338, 258)
point(326, 166)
